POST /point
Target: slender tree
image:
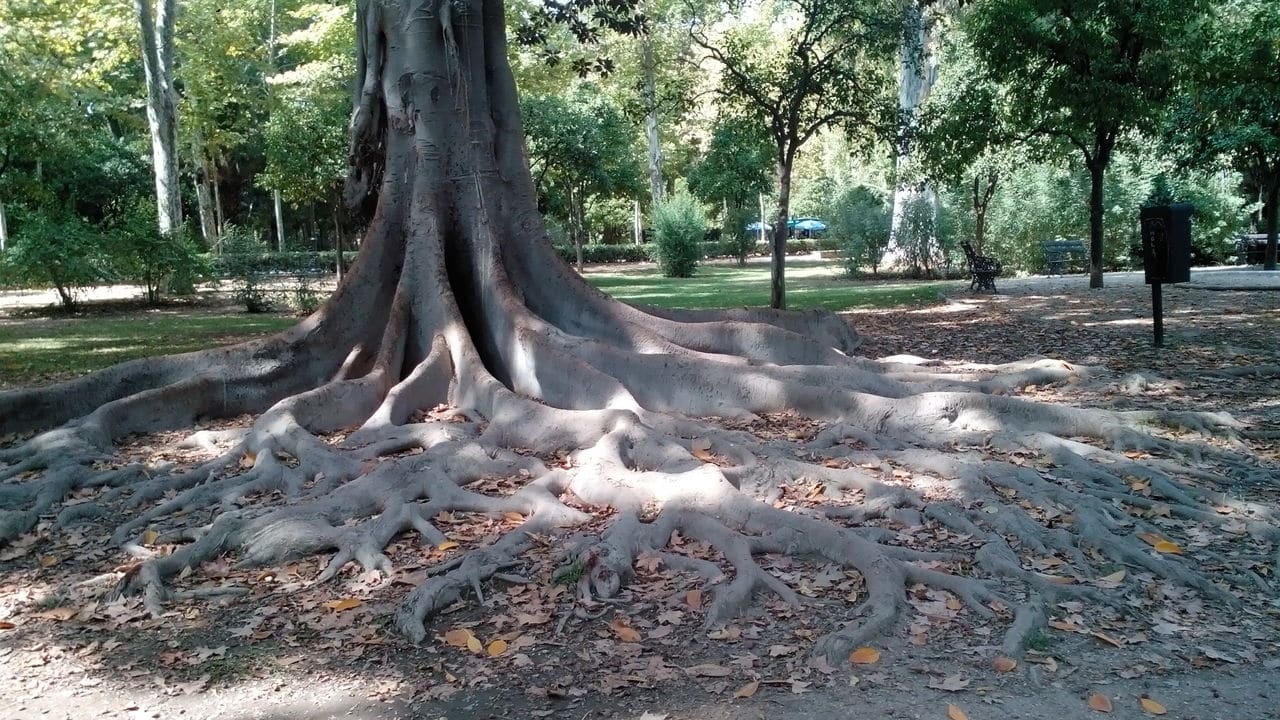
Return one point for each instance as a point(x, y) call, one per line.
point(156, 30)
point(802, 67)
point(1085, 73)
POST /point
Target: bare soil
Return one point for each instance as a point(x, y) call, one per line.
point(292, 649)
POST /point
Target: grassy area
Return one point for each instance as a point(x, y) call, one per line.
point(45, 348)
point(809, 284)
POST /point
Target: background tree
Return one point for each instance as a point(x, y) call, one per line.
point(1085, 73)
point(1231, 109)
point(580, 149)
point(736, 169)
point(801, 67)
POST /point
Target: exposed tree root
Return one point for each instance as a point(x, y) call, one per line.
point(460, 349)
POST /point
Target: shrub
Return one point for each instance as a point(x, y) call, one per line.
point(860, 223)
point(605, 253)
point(738, 240)
point(241, 262)
point(141, 254)
point(679, 225)
point(59, 251)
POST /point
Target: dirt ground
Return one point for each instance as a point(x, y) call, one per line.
point(268, 644)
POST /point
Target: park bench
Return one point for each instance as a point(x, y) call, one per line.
point(1059, 253)
point(983, 270)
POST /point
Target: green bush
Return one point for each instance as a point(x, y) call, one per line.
point(736, 237)
point(605, 253)
point(679, 225)
point(63, 252)
point(860, 224)
point(142, 255)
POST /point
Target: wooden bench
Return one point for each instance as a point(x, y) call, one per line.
point(1059, 253)
point(983, 270)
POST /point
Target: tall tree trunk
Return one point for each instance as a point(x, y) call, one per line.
point(917, 73)
point(1272, 211)
point(657, 185)
point(278, 209)
point(162, 110)
point(1097, 172)
point(4, 228)
point(981, 201)
point(204, 198)
point(778, 283)
point(215, 180)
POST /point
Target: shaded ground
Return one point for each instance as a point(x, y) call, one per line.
point(291, 650)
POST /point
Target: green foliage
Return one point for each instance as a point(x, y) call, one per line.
point(597, 253)
point(739, 241)
point(679, 225)
point(861, 218)
point(738, 164)
point(581, 149)
point(141, 254)
point(239, 262)
point(59, 251)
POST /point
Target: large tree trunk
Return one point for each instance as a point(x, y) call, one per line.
point(162, 106)
point(657, 185)
point(458, 298)
point(1097, 174)
point(4, 228)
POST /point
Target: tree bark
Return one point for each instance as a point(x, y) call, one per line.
point(162, 112)
point(981, 201)
point(4, 228)
point(657, 184)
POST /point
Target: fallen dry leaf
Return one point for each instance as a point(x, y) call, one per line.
point(458, 637)
point(951, 683)
point(1100, 702)
point(149, 537)
point(447, 545)
point(625, 632)
point(496, 648)
point(474, 644)
point(748, 690)
point(1165, 546)
point(1004, 664)
point(694, 599)
point(343, 604)
point(955, 713)
point(6, 625)
point(1107, 639)
point(864, 656)
point(1152, 707)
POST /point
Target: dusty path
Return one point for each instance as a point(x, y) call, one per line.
point(283, 654)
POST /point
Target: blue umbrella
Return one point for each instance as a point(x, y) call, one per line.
point(810, 225)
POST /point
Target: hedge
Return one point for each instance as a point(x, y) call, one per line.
point(277, 263)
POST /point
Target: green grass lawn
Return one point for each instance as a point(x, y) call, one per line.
point(809, 284)
point(39, 349)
